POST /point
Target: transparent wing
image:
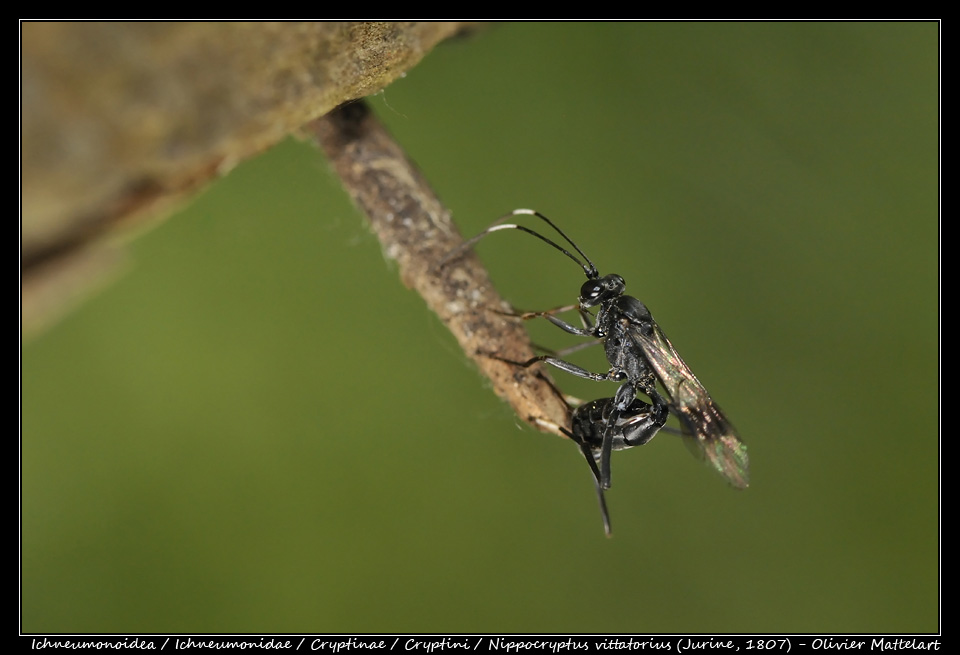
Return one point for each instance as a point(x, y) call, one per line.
point(702, 420)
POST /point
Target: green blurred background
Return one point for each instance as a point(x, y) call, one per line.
point(259, 428)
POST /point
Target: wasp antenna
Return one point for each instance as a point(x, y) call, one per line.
point(498, 225)
point(590, 270)
point(457, 252)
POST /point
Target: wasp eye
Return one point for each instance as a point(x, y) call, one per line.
point(590, 290)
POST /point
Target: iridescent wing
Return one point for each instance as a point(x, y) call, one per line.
point(702, 420)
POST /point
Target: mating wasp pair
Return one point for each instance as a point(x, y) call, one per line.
point(640, 356)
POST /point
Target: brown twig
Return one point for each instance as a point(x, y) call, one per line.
point(415, 229)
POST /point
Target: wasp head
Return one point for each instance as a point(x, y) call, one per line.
point(596, 292)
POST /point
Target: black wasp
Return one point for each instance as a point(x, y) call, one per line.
point(638, 424)
point(639, 355)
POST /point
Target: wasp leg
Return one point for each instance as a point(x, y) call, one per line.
point(563, 365)
point(591, 461)
point(626, 394)
point(569, 350)
point(607, 528)
point(525, 315)
point(586, 318)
